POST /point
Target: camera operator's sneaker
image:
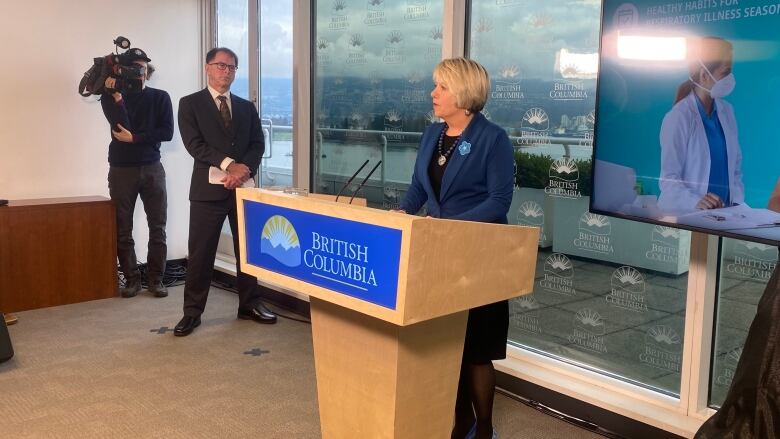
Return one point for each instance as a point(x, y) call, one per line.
point(158, 289)
point(131, 288)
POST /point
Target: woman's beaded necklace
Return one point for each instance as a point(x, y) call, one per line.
point(443, 155)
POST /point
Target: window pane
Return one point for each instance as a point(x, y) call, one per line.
point(232, 28)
point(745, 269)
point(275, 81)
point(276, 107)
point(232, 32)
point(373, 60)
point(609, 294)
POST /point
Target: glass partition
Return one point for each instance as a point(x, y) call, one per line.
point(274, 80)
point(373, 61)
point(232, 32)
point(745, 269)
point(609, 294)
point(276, 101)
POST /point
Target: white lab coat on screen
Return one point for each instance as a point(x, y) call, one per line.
point(685, 155)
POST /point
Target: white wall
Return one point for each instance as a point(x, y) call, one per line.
point(53, 142)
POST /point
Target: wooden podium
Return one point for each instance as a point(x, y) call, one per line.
point(389, 295)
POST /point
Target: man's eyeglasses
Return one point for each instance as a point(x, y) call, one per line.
point(223, 66)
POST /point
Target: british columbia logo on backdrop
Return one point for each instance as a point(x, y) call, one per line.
point(375, 94)
point(338, 90)
point(558, 275)
point(663, 349)
point(588, 331)
point(414, 91)
point(323, 53)
point(416, 10)
point(587, 136)
point(579, 126)
point(357, 259)
point(664, 245)
point(534, 128)
point(594, 234)
point(525, 315)
point(564, 179)
point(392, 197)
point(339, 19)
point(394, 125)
point(356, 55)
point(433, 51)
point(375, 14)
point(752, 260)
point(628, 290)
point(568, 90)
point(394, 48)
point(507, 85)
point(482, 41)
point(357, 126)
point(530, 213)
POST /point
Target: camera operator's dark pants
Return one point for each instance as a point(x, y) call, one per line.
point(125, 184)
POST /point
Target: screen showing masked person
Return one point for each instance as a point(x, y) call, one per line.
point(686, 105)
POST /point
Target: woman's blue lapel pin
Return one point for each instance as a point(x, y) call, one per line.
point(464, 148)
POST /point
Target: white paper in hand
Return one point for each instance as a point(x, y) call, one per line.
point(216, 175)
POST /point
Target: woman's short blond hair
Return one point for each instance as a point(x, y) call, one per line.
point(466, 79)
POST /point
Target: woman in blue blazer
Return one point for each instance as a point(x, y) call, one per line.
point(465, 171)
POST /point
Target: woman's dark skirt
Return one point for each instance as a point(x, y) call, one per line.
point(486, 333)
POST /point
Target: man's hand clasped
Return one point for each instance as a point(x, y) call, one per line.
point(237, 174)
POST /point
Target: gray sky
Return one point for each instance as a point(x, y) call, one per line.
point(504, 33)
point(275, 34)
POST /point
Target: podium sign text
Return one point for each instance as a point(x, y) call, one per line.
point(353, 258)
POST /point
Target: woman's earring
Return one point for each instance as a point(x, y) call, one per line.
point(468, 113)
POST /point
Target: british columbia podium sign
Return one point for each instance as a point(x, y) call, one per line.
point(357, 259)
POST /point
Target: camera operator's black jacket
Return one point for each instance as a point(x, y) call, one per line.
point(209, 142)
point(149, 116)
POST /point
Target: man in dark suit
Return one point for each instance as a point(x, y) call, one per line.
point(220, 130)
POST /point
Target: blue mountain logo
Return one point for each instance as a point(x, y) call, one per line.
point(280, 241)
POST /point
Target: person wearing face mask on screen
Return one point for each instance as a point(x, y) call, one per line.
point(701, 160)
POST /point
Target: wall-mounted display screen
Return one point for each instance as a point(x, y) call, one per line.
point(688, 115)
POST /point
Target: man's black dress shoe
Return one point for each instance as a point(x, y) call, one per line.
point(186, 325)
point(258, 314)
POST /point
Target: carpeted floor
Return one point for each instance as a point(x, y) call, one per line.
point(112, 369)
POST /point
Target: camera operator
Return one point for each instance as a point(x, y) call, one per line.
point(141, 118)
